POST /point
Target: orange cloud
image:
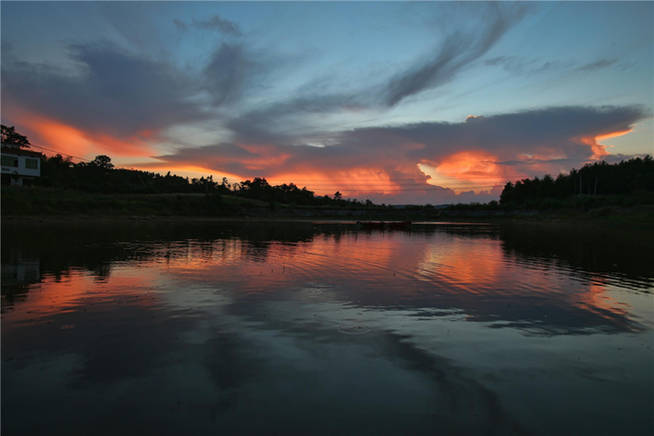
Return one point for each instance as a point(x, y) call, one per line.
point(599, 150)
point(612, 134)
point(350, 182)
point(57, 136)
point(262, 156)
point(70, 140)
point(466, 171)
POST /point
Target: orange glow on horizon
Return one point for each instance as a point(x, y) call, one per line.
point(466, 171)
point(59, 136)
point(350, 182)
point(66, 139)
point(471, 170)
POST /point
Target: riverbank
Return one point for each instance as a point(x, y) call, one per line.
point(641, 217)
point(53, 205)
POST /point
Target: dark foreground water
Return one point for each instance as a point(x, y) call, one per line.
point(315, 328)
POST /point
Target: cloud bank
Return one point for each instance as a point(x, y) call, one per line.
point(394, 162)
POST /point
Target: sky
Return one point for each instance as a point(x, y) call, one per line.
point(394, 102)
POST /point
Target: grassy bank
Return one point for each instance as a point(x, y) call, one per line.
point(51, 203)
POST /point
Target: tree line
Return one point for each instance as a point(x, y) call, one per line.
point(630, 177)
point(100, 176)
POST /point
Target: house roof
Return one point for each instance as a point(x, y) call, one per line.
point(7, 149)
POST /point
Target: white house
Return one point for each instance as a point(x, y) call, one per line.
point(19, 166)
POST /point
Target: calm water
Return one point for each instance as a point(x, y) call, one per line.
point(324, 328)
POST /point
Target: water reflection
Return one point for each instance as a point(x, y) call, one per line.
point(485, 272)
point(323, 328)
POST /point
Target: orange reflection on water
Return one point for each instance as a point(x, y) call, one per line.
point(463, 265)
point(598, 300)
point(273, 265)
point(377, 268)
point(54, 295)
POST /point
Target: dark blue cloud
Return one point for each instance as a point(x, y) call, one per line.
point(219, 24)
point(597, 65)
point(458, 51)
point(228, 71)
point(115, 91)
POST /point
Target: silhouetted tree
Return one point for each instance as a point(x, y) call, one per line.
point(12, 138)
point(102, 161)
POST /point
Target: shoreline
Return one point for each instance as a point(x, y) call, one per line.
point(641, 216)
point(218, 219)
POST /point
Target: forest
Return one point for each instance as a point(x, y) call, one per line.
point(100, 176)
point(633, 178)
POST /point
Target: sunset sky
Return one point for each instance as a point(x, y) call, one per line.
point(395, 102)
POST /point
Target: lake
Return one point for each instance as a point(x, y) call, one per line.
point(443, 328)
